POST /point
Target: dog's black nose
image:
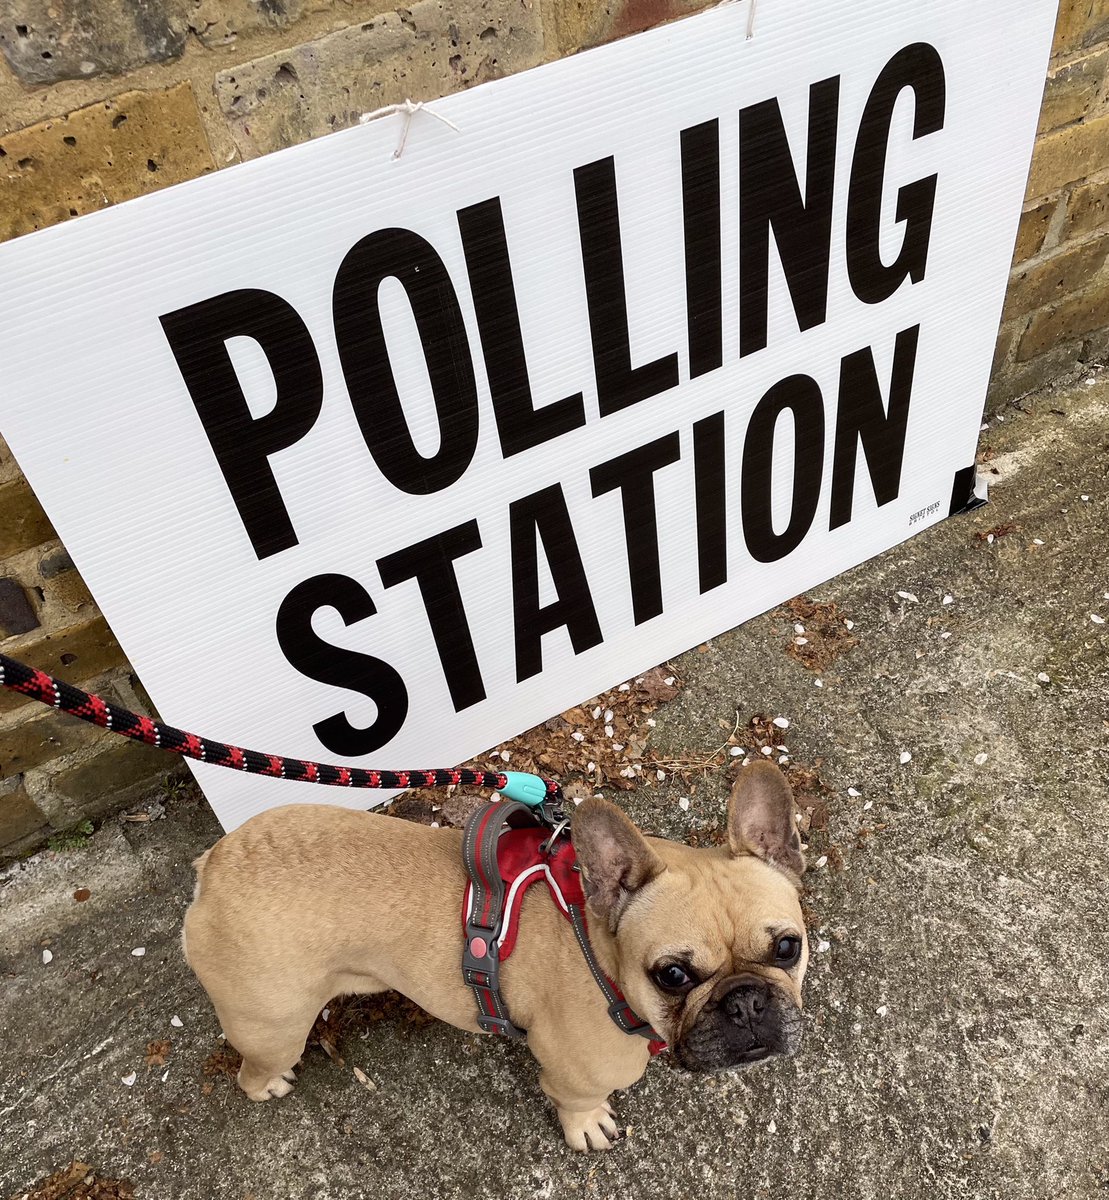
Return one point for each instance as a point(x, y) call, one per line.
point(746, 1002)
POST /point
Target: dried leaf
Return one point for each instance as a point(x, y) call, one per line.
point(157, 1051)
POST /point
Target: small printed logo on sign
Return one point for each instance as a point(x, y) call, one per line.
point(922, 513)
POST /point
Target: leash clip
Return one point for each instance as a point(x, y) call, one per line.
point(557, 832)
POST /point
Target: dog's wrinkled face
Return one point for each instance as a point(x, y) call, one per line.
point(710, 944)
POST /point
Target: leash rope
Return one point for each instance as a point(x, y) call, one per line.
point(37, 685)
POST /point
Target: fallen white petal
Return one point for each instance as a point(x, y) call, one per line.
point(735, 751)
point(783, 760)
point(989, 539)
point(165, 1074)
point(772, 1127)
point(578, 736)
point(608, 714)
point(798, 628)
point(818, 683)
point(1044, 677)
point(1037, 541)
point(1084, 497)
point(945, 635)
point(849, 624)
point(596, 712)
point(651, 722)
point(768, 749)
point(47, 957)
point(591, 767)
point(882, 1011)
point(127, 1080)
point(138, 951)
point(683, 803)
point(660, 775)
point(669, 681)
point(364, 1079)
point(782, 722)
point(822, 860)
point(800, 641)
point(908, 596)
point(868, 804)
point(617, 746)
point(624, 687)
point(948, 599)
point(854, 792)
point(980, 758)
point(1096, 619)
point(609, 731)
point(177, 1023)
point(822, 947)
point(906, 757)
point(506, 755)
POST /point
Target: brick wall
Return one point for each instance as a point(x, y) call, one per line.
point(1056, 315)
point(102, 100)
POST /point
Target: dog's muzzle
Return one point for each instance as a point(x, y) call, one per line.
point(746, 1019)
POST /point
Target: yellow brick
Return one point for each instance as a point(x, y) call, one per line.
point(1072, 319)
point(1087, 209)
point(74, 654)
point(97, 156)
point(22, 522)
point(121, 771)
point(1069, 155)
point(1069, 270)
point(1072, 90)
point(1033, 229)
point(19, 817)
point(37, 739)
point(1080, 23)
point(582, 23)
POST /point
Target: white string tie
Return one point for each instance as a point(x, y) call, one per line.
point(409, 108)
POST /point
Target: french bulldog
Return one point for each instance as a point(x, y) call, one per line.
point(308, 902)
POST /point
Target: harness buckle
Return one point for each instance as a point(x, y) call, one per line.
point(479, 957)
point(501, 1026)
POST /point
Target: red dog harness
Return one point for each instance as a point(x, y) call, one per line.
point(505, 853)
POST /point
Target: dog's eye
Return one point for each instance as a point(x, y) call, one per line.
point(672, 978)
point(787, 950)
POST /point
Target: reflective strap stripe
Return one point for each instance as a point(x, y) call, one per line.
point(485, 913)
point(619, 1009)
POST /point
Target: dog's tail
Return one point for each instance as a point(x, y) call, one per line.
point(198, 867)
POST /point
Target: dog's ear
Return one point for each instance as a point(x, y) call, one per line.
point(761, 818)
point(614, 857)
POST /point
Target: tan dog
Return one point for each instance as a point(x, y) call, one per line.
point(309, 902)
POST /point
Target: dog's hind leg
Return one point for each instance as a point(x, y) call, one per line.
point(270, 1036)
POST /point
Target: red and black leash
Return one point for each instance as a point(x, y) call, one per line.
point(36, 684)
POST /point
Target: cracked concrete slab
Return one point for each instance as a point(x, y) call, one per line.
point(956, 1032)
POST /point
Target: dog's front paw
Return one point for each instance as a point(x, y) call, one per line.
point(267, 1089)
point(592, 1130)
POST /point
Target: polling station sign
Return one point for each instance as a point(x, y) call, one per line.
point(383, 459)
